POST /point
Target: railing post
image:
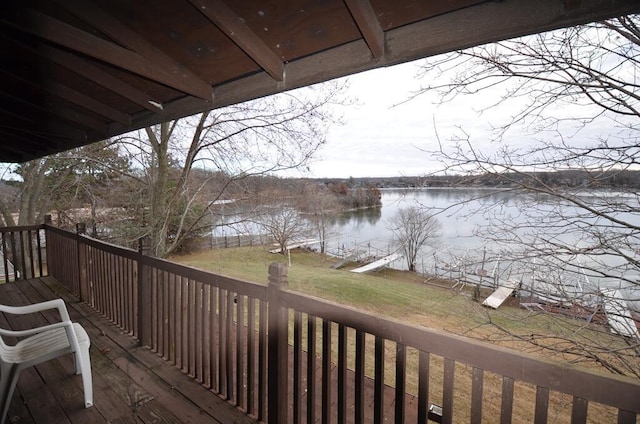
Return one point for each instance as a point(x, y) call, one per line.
point(144, 294)
point(278, 355)
point(83, 285)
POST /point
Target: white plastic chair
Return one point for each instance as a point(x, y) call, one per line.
point(41, 344)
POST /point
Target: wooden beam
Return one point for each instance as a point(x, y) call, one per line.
point(235, 28)
point(100, 77)
point(116, 30)
point(368, 25)
point(75, 39)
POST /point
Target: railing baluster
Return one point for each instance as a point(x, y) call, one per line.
point(401, 377)
point(39, 245)
point(378, 391)
point(626, 417)
point(311, 368)
point(262, 362)
point(506, 409)
point(173, 320)
point(198, 339)
point(542, 405)
point(448, 390)
point(184, 284)
point(251, 356)
point(326, 371)
point(222, 342)
point(215, 344)
point(23, 254)
point(5, 258)
point(423, 387)
point(229, 345)
point(579, 411)
point(240, 351)
point(154, 310)
point(12, 244)
point(342, 374)
point(477, 377)
point(205, 318)
point(359, 377)
point(297, 367)
point(31, 255)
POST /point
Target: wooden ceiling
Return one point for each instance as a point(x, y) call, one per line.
point(78, 71)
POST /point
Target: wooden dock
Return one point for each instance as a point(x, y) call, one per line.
point(378, 264)
point(296, 244)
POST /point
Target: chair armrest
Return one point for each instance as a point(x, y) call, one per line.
point(38, 307)
point(36, 330)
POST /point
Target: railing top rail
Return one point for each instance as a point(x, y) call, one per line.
point(254, 290)
point(21, 228)
point(617, 391)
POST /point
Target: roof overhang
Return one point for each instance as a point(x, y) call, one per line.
point(77, 71)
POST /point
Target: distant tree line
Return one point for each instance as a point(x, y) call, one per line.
point(572, 178)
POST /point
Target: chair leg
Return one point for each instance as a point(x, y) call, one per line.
point(8, 379)
point(83, 366)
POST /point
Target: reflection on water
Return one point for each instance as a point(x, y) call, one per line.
point(357, 218)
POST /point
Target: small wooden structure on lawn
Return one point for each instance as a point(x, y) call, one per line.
point(498, 297)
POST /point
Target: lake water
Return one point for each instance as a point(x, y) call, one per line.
point(460, 245)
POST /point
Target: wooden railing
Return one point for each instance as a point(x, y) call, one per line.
point(23, 253)
point(282, 356)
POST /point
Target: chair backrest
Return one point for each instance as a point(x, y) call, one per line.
point(33, 308)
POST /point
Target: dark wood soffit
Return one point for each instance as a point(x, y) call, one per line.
point(73, 38)
point(108, 25)
point(100, 77)
point(485, 23)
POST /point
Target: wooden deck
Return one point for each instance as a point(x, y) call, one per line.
point(131, 384)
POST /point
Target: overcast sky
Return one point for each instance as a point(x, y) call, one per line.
point(381, 138)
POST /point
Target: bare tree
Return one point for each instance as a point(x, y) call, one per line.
point(573, 94)
point(413, 228)
point(260, 137)
point(321, 206)
point(283, 224)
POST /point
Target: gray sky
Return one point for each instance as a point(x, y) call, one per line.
point(380, 139)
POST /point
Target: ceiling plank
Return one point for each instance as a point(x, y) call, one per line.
point(571, 4)
point(50, 105)
point(116, 30)
point(368, 24)
point(235, 28)
point(73, 96)
point(86, 102)
point(73, 38)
